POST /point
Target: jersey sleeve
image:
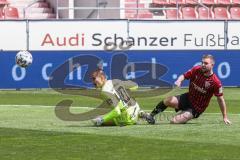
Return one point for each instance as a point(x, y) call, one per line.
point(218, 89)
point(130, 85)
point(191, 72)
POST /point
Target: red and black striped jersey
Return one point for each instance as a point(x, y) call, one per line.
point(202, 88)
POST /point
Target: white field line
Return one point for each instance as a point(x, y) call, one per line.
point(42, 106)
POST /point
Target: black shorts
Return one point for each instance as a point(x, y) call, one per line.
point(184, 104)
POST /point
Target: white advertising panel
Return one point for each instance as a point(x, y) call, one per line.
point(75, 35)
point(96, 35)
point(233, 35)
point(184, 35)
point(142, 35)
point(13, 35)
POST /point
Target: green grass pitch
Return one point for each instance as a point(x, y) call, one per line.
point(29, 130)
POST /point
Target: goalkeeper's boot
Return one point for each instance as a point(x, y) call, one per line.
point(97, 121)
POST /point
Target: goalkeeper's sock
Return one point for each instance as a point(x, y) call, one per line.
point(159, 108)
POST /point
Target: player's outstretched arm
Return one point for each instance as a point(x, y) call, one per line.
point(223, 108)
point(179, 81)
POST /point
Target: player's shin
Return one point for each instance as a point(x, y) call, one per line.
point(159, 108)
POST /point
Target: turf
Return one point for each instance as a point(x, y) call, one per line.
point(29, 129)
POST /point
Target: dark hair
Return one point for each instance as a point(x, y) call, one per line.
point(209, 56)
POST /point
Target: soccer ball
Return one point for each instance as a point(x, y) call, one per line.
point(23, 59)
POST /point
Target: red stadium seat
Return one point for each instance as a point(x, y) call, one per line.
point(133, 5)
point(235, 2)
point(4, 2)
point(192, 2)
point(221, 13)
point(174, 2)
point(1, 15)
point(172, 14)
point(204, 13)
point(11, 13)
point(189, 13)
point(129, 7)
point(32, 8)
point(208, 2)
point(224, 2)
point(161, 2)
point(235, 12)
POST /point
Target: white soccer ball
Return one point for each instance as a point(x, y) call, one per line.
point(24, 58)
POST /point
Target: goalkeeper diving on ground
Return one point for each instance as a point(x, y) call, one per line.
point(126, 110)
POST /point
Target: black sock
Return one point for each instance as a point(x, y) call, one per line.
point(159, 108)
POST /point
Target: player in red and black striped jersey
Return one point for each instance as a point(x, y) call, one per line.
point(203, 85)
